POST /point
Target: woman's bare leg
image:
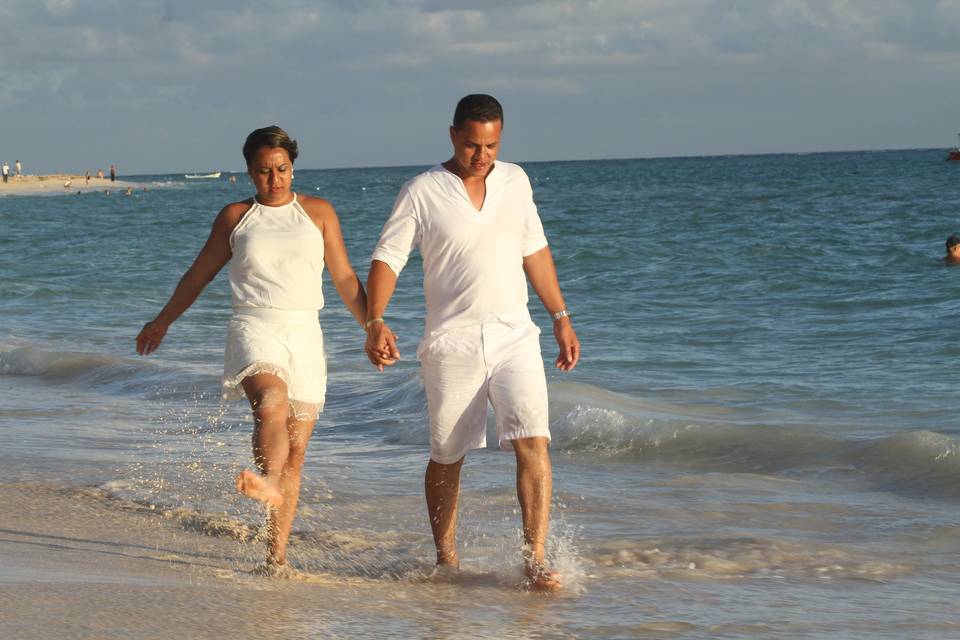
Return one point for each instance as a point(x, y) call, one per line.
point(271, 443)
point(281, 519)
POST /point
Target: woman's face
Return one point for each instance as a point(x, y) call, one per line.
point(271, 171)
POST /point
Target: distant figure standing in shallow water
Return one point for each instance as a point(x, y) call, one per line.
point(280, 242)
point(952, 258)
point(478, 231)
point(113, 173)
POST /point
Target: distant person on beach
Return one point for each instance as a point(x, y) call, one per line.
point(113, 173)
point(6, 172)
point(477, 228)
point(953, 251)
point(100, 173)
point(87, 178)
point(17, 167)
point(278, 243)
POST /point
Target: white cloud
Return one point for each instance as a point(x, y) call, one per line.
point(59, 8)
point(362, 63)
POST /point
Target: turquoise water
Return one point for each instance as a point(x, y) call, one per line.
point(762, 427)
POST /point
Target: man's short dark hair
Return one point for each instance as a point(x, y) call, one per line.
point(952, 241)
point(479, 107)
point(273, 137)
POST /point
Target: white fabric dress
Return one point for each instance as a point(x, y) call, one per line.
point(276, 279)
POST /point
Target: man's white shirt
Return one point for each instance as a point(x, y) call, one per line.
point(472, 260)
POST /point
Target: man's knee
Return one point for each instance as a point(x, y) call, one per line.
point(531, 449)
point(452, 467)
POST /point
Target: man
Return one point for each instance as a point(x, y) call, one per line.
point(6, 171)
point(17, 169)
point(953, 251)
point(478, 231)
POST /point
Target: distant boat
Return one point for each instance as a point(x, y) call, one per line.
point(201, 176)
point(954, 154)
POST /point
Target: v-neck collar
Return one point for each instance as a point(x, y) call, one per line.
point(453, 185)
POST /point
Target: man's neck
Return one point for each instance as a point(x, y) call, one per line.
point(454, 167)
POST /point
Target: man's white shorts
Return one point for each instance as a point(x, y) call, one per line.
point(464, 369)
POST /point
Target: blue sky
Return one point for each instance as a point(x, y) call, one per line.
point(173, 86)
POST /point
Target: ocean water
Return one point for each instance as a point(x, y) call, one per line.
point(761, 440)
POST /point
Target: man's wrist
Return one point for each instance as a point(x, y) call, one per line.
point(560, 315)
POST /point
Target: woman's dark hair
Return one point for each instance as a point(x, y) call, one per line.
point(479, 107)
point(273, 137)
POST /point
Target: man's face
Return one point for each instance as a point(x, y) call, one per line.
point(475, 147)
point(953, 253)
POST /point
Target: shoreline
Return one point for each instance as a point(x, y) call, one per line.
point(58, 183)
point(115, 569)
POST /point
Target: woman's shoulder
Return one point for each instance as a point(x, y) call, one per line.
point(313, 203)
point(316, 208)
point(234, 211)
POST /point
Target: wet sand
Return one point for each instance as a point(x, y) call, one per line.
point(73, 565)
point(32, 185)
point(78, 563)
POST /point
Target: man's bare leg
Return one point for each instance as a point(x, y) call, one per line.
point(281, 519)
point(534, 490)
point(271, 443)
point(442, 487)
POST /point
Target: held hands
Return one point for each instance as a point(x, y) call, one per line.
point(568, 343)
point(150, 337)
point(381, 345)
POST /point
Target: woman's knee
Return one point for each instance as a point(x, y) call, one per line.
point(270, 406)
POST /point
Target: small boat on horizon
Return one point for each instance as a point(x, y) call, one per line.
point(201, 176)
point(954, 154)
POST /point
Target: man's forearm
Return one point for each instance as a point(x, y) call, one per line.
point(381, 283)
point(542, 274)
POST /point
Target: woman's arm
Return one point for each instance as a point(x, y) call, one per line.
point(335, 256)
point(214, 254)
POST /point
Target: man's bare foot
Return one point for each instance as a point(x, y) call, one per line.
point(259, 488)
point(447, 556)
point(540, 579)
point(444, 572)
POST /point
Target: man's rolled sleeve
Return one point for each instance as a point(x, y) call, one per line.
point(534, 238)
point(401, 233)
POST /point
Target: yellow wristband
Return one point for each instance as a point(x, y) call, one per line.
point(372, 321)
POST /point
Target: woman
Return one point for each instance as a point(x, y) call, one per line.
point(277, 244)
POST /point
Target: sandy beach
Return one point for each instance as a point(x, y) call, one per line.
point(112, 569)
point(31, 185)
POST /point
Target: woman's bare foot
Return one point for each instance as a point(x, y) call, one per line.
point(276, 570)
point(258, 488)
